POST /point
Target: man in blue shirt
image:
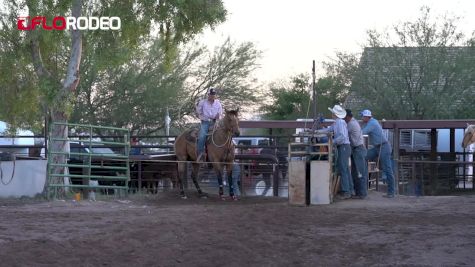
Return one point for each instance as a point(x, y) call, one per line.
point(381, 148)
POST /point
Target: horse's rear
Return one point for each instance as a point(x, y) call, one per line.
point(185, 145)
point(185, 150)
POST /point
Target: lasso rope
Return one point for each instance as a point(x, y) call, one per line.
point(13, 171)
point(228, 139)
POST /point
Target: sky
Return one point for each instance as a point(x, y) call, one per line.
point(293, 33)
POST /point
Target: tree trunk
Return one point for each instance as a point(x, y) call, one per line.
point(59, 132)
point(61, 101)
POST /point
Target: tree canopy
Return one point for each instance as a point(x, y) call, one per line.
point(137, 94)
point(37, 61)
point(423, 69)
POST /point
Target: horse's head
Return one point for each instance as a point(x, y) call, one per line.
point(469, 136)
point(231, 121)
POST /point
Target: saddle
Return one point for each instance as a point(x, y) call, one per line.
point(192, 137)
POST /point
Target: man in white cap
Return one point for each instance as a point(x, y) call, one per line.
point(209, 110)
point(342, 142)
point(359, 170)
point(381, 148)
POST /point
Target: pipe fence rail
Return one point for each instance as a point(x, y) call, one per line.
point(89, 163)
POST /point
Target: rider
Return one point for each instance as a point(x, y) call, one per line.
point(209, 110)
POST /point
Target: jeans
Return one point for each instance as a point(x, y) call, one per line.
point(386, 163)
point(202, 136)
point(236, 179)
point(344, 153)
point(359, 170)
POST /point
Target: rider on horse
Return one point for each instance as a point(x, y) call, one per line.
point(209, 110)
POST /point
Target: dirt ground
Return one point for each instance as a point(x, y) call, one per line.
point(163, 230)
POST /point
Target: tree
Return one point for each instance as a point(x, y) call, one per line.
point(333, 88)
point(228, 69)
point(137, 94)
point(56, 64)
point(289, 101)
point(425, 70)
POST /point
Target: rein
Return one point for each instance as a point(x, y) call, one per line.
point(228, 139)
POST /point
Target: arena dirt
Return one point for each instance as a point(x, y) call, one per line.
point(163, 230)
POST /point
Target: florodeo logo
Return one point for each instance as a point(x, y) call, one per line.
point(68, 23)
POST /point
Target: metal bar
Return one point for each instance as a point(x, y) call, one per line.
point(99, 177)
point(90, 186)
point(436, 162)
point(94, 154)
point(93, 126)
point(92, 166)
point(88, 161)
point(299, 153)
point(313, 144)
point(396, 156)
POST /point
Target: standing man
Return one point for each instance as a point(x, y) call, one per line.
point(358, 156)
point(209, 110)
point(342, 142)
point(381, 148)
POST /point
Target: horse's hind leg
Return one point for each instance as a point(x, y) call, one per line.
point(194, 176)
point(180, 174)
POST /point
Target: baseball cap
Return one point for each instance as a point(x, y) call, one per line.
point(212, 91)
point(366, 113)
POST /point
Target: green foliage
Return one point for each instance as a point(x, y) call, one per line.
point(421, 72)
point(18, 86)
point(137, 94)
point(228, 68)
point(26, 96)
point(289, 101)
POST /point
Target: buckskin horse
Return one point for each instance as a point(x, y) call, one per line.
point(220, 152)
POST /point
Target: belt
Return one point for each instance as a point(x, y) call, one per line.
point(357, 146)
point(342, 145)
point(210, 120)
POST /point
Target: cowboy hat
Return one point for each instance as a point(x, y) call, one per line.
point(338, 111)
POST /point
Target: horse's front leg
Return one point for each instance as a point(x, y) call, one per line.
point(229, 174)
point(218, 169)
point(194, 176)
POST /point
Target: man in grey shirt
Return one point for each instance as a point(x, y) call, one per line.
point(359, 171)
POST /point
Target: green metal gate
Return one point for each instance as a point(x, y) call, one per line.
point(91, 159)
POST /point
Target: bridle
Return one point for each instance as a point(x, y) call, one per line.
point(228, 142)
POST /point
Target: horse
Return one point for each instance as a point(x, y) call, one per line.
point(220, 152)
point(469, 136)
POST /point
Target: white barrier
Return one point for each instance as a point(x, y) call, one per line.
point(28, 178)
